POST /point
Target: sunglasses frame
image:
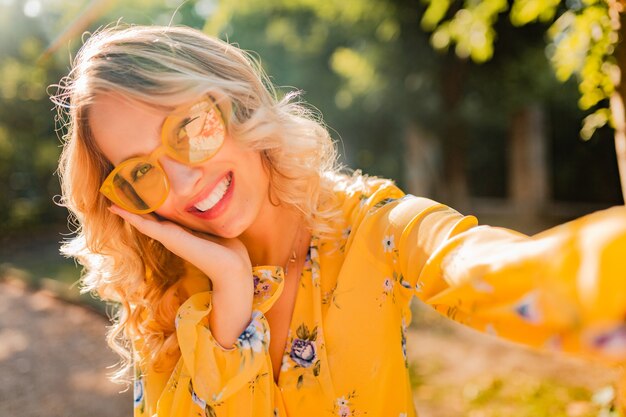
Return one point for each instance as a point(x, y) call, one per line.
point(108, 188)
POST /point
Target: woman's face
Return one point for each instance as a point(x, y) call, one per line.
point(222, 196)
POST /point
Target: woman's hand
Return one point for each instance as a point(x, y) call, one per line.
point(217, 257)
point(225, 261)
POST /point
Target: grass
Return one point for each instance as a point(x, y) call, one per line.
point(513, 395)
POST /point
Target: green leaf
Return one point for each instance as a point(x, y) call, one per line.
point(594, 121)
point(302, 332)
point(313, 335)
point(435, 12)
point(527, 11)
point(316, 368)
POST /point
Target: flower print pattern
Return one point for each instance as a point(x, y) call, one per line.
point(452, 312)
point(262, 288)
point(194, 397)
point(528, 308)
point(388, 285)
point(265, 284)
point(362, 200)
point(303, 352)
point(383, 202)
point(285, 363)
point(403, 342)
point(208, 410)
point(344, 406)
point(331, 296)
point(482, 286)
point(379, 259)
point(404, 283)
point(389, 243)
point(138, 392)
point(313, 266)
point(343, 240)
point(252, 383)
point(253, 337)
point(344, 411)
point(611, 342)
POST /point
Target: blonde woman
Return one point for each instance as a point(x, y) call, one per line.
point(253, 277)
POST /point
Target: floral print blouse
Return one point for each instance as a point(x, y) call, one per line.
point(346, 347)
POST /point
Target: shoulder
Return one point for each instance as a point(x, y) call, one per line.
point(359, 194)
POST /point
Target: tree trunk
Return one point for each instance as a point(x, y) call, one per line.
point(455, 190)
point(420, 160)
point(528, 166)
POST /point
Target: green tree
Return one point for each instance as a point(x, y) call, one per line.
point(583, 41)
point(28, 146)
point(370, 69)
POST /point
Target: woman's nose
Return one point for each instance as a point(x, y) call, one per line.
point(183, 178)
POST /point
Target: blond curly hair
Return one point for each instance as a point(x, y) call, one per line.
point(164, 67)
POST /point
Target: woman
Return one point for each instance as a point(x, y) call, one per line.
point(180, 164)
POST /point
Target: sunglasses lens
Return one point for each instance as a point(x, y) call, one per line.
point(140, 185)
point(190, 136)
point(197, 135)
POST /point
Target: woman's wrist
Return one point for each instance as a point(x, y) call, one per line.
point(232, 308)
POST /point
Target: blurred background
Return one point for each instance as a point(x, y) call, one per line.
point(499, 139)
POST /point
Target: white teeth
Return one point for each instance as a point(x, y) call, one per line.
point(215, 196)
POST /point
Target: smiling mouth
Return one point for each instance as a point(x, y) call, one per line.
point(216, 195)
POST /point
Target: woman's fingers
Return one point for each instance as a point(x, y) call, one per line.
point(172, 236)
point(214, 256)
point(153, 228)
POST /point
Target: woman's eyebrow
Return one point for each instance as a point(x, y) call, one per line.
point(137, 154)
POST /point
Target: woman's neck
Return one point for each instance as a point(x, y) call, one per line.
point(271, 239)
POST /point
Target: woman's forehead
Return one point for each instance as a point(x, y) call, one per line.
point(123, 128)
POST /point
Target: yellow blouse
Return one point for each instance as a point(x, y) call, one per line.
point(346, 347)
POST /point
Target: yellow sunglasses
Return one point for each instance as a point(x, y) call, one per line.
point(191, 135)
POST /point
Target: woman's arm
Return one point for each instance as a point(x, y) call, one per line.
point(225, 261)
point(223, 342)
point(563, 289)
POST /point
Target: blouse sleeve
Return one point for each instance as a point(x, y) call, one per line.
point(563, 289)
point(207, 376)
point(217, 372)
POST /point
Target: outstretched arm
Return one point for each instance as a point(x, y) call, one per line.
point(563, 289)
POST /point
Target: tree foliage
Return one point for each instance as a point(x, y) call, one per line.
point(582, 40)
point(368, 67)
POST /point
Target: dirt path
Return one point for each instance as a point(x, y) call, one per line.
point(461, 372)
point(53, 359)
